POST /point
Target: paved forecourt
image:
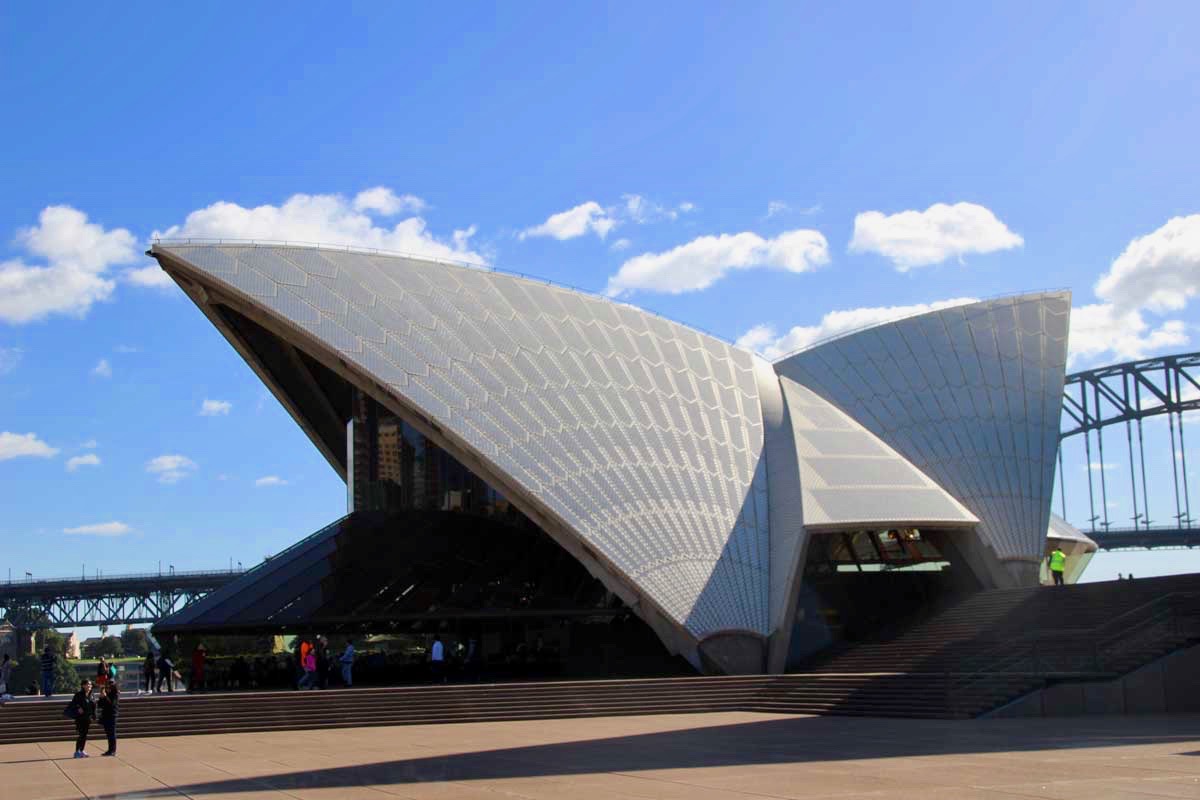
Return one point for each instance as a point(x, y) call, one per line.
point(691, 757)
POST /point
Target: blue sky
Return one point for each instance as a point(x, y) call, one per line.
point(791, 159)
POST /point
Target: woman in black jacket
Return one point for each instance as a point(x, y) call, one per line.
point(84, 711)
point(109, 699)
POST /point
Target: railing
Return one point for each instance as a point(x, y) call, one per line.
point(1090, 653)
point(130, 576)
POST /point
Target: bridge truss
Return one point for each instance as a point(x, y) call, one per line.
point(118, 600)
point(1123, 396)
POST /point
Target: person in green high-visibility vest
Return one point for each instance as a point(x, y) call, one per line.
point(1058, 563)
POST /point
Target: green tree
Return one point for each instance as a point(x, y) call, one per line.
point(28, 674)
point(134, 641)
point(108, 647)
point(49, 636)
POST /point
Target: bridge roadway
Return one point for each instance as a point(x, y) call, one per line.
point(1153, 538)
point(107, 600)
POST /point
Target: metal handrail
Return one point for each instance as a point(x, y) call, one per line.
point(203, 573)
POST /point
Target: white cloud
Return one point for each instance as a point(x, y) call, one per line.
point(1102, 330)
point(589, 217)
point(100, 529)
point(170, 468)
point(87, 460)
point(150, 276)
point(385, 202)
point(1159, 271)
point(270, 480)
point(702, 262)
point(10, 357)
point(764, 339)
point(1096, 466)
point(323, 218)
point(90, 444)
point(921, 238)
point(76, 256)
point(215, 408)
point(620, 244)
point(103, 369)
point(16, 445)
point(776, 207)
point(640, 210)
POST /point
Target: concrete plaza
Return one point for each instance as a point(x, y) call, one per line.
point(691, 757)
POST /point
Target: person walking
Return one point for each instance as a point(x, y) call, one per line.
point(166, 668)
point(109, 699)
point(199, 659)
point(324, 663)
point(83, 710)
point(148, 670)
point(48, 662)
point(6, 676)
point(437, 660)
point(309, 664)
point(347, 662)
point(1058, 563)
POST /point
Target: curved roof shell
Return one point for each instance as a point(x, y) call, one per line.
point(970, 395)
point(641, 437)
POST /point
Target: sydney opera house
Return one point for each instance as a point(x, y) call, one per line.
point(520, 454)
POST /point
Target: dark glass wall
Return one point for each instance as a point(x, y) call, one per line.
point(396, 468)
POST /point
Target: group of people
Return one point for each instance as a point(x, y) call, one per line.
point(84, 709)
point(157, 672)
point(316, 664)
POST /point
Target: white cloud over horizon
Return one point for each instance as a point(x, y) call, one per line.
point(21, 445)
point(70, 272)
point(86, 460)
point(589, 217)
point(329, 219)
point(764, 339)
point(701, 262)
point(151, 276)
point(103, 369)
point(911, 239)
point(171, 468)
point(215, 408)
point(387, 203)
point(1157, 272)
point(100, 529)
point(270, 480)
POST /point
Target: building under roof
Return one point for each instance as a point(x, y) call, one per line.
point(641, 465)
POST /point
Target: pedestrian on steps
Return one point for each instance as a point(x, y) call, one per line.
point(48, 662)
point(309, 664)
point(1058, 563)
point(148, 670)
point(347, 662)
point(109, 699)
point(82, 709)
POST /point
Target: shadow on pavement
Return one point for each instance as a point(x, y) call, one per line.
point(774, 741)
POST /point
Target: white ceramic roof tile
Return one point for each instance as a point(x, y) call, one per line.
point(1003, 374)
point(433, 332)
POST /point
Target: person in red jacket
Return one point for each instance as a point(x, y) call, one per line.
point(199, 657)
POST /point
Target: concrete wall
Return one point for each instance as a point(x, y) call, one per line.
point(1170, 684)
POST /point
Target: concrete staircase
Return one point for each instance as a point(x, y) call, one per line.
point(968, 659)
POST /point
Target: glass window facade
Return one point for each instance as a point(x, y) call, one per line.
point(396, 468)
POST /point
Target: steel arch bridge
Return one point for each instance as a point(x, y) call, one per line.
point(1123, 396)
point(116, 600)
